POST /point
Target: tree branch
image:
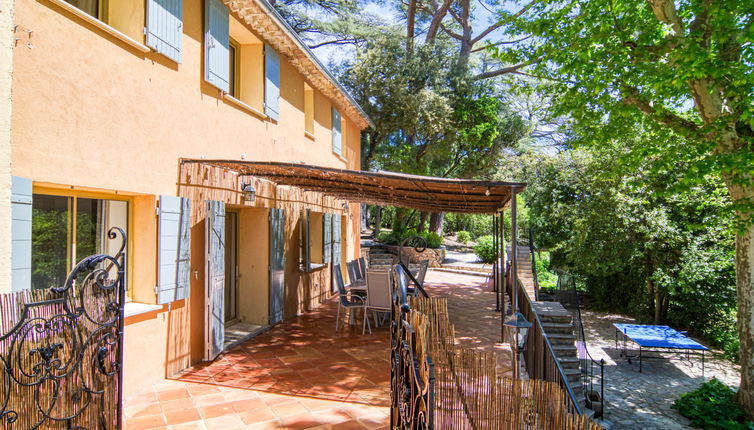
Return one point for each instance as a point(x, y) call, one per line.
point(660, 114)
point(335, 42)
point(450, 32)
point(666, 12)
point(437, 17)
point(502, 42)
point(504, 70)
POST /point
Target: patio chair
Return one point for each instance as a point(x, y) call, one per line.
point(379, 296)
point(363, 265)
point(420, 274)
point(344, 301)
point(354, 276)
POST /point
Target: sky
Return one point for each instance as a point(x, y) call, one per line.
point(334, 53)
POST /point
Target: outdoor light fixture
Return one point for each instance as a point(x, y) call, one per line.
point(249, 192)
point(345, 206)
point(517, 323)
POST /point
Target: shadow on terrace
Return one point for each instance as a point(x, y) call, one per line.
point(301, 374)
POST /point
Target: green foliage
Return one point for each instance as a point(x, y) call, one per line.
point(627, 230)
point(433, 239)
point(711, 407)
point(485, 249)
point(463, 236)
point(548, 280)
point(476, 224)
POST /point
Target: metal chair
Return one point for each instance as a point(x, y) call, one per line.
point(363, 265)
point(344, 301)
point(420, 274)
point(354, 275)
point(379, 296)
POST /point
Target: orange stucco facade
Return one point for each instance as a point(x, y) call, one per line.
point(92, 114)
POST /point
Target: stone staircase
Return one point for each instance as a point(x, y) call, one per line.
point(380, 257)
point(557, 323)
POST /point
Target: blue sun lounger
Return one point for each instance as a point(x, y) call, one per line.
point(656, 338)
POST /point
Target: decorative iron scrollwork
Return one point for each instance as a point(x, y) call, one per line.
point(60, 364)
point(412, 371)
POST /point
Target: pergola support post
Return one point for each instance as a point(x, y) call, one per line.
point(514, 273)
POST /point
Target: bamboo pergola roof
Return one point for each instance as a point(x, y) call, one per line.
point(382, 188)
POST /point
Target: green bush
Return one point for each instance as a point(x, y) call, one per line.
point(485, 249)
point(433, 239)
point(385, 237)
point(464, 236)
point(711, 407)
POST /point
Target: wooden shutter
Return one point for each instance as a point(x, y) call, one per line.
point(21, 212)
point(215, 270)
point(165, 27)
point(326, 237)
point(174, 246)
point(337, 138)
point(336, 258)
point(271, 83)
point(216, 44)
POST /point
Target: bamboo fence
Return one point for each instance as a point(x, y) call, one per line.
point(58, 366)
point(470, 395)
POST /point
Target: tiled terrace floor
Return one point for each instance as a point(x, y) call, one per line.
point(302, 374)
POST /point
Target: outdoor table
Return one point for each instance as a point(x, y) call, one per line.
point(656, 338)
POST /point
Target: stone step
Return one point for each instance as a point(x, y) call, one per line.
point(569, 362)
point(563, 350)
point(553, 327)
point(561, 338)
point(558, 319)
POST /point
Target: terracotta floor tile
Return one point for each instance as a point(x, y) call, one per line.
point(302, 374)
point(141, 410)
point(225, 422)
point(217, 410)
point(172, 394)
point(181, 416)
point(144, 423)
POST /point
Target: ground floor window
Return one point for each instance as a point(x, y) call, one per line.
point(65, 229)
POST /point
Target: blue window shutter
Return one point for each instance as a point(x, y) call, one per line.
point(165, 27)
point(21, 197)
point(326, 237)
point(337, 138)
point(216, 44)
point(174, 246)
point(271, 83)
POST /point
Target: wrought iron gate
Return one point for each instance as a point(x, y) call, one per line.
point(412, 378)
point(61, 353)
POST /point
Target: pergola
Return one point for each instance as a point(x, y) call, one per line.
point(423, 193)
point(383, 188)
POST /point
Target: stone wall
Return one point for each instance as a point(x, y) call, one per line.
point(435, 256)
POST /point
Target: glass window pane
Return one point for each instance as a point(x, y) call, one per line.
point(88, 6)
point(94, 218)
point(50, 240)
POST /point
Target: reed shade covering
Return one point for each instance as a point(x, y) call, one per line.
point(382, 188)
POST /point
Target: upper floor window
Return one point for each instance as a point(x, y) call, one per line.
point(157, 23)
point(337, 136)
point(238, 63)
point(308, 109)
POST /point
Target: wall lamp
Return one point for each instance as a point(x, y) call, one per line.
point(249, 192)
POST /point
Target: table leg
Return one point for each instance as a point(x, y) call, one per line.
point(702, 364)
point(639, 358)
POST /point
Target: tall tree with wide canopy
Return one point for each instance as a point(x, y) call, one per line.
point(688, 66)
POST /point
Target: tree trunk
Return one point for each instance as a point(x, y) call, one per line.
point(422, 222)
point(436, 221)
point(745, 290)
point(377, 221)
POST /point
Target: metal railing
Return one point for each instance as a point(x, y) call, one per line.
point(592, 371)
point(539, 356)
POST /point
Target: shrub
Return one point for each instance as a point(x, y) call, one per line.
point(711, 407)
point(385, 237)
point(485, 249)
point(433, 239)
point(464, 237)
